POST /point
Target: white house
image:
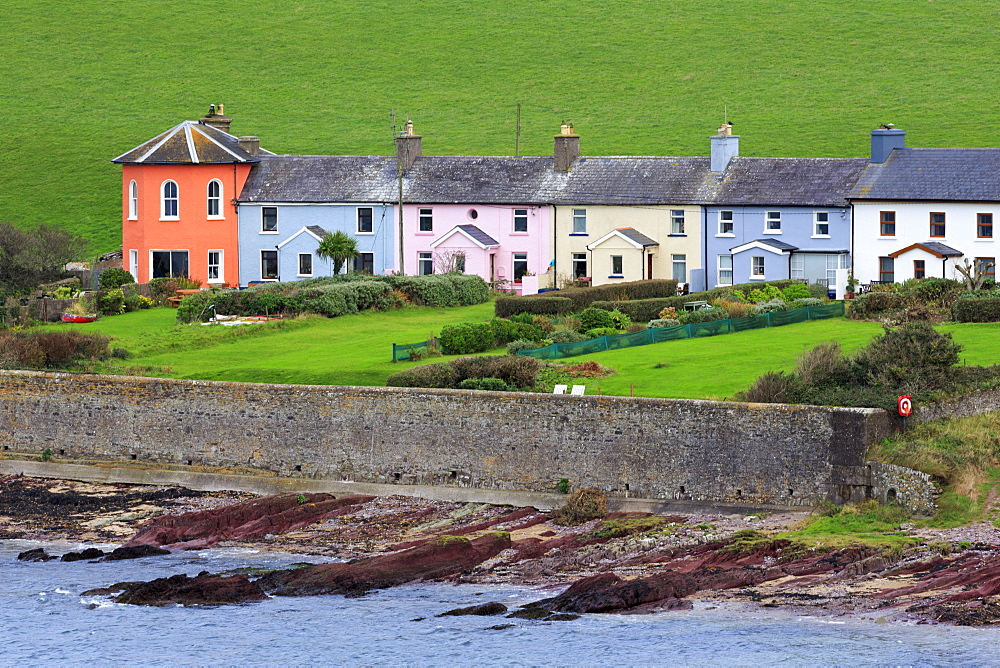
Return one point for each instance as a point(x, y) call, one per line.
point(919, 212)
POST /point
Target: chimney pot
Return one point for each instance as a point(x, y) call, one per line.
point(409, 146)
point(216, 118)
point(725, 147)
point(249, 144)
point(567, 148)
point(884, 139)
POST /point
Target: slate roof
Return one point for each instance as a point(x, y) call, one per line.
point(321, 178)
point(478, 179)
point(637, 237)
point(479, 235)
point(934, 247)
point(317, 230)
point(788, 181)
point(933, 174)
point(188, 142)
point(637, 180)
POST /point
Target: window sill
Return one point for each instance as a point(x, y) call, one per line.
point(679, 234)
point(579, 234)
point(520, 234)
point(172, 219)
point(269, 231)
point(424, 233)
point(216, 218)
point(887, 238)
point(772, 232)
point(215, 281)
point(132, 218)
point(303, 275)
point(986, 239)
point(820, 236)
point(758, 278)
point(617, 276)
point(270, 280)
point(365, 234)
point(727, 236)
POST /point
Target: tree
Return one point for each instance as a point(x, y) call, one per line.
point(30, 258)
point(974, 275)
point(338, 248)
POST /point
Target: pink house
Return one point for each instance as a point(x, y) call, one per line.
point(478, 215)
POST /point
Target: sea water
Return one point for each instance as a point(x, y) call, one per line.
point(44, 620)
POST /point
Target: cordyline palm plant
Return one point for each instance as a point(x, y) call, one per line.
point(338, 248)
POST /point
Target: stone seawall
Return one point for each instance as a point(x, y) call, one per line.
point(652, 448)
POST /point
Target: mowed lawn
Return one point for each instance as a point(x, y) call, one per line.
point(357, 350)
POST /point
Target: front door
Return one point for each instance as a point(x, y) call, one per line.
point(649, 267)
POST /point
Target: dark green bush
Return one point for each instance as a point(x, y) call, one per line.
point(466, 338)
point(488, 384)
point(440, 375)
point(582, 298)
point(111, 302)
point(566, 336)
point(642, 310)
point(874, 304)
point(161, 288)
point(598, 332)
point(709, 314)
point(504, 307)
point(976, 310)
point(515, 371)
point(517, 345)
point(595, 317)
point(114, 278)
point(939, 292)
point(795, 291)
point(818, 290)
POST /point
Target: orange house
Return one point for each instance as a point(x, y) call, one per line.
point(178, 201)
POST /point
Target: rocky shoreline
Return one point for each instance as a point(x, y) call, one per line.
point(622, 563)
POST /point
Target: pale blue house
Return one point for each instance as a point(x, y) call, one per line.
point(779, 218)
point(289, 203)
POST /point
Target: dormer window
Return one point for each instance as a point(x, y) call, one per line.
point(133, 200)
point(215, 199)
point(169, 201)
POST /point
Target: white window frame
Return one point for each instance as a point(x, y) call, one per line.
point(220, 266)
point(149, 257)
point(797, 266)
point(516, 259)
point(772, 222)
point(263, 230)
point(298, 265)
point(678, 260)
point(721, 267)
point(620, 261)
point(677, 221)
point(821, 218)
point(176, 199)
point(756, 267)
point(520, 215)
point(578, 259)
point(133, 200)
point(726, 219)
point(371, 210)
point(133, 263)
point(579, 221)
point(427, 214)
point(220, 215)
point(422, 258)
point(277, 264)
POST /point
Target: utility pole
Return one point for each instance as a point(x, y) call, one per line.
point(399, 182)
point(517, 138)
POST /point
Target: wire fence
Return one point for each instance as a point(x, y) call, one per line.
point(405, 351)
point(688, 331)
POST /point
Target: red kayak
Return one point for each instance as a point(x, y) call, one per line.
point(69, 317)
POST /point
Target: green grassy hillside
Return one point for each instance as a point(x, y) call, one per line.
point(85, 81)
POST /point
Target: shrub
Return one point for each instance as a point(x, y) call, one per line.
point(914, 354)
point(516, 371)
point(702, 315)
point(824, 364)
point(111, 302)
point(818, 290)
point(114, 278)
point(733, 308)
point(504, 307)
point(514, 347)
point(664, 322)
point(583, 506)
point(581, 298)
point(873, 304)
point(795, 291)
point(806, 301)
point(161, 288)
point(466, 338)
point(669, 313)
point(939, 292)
point(566, 336)
point(976, 310)
point(635, 327)
point(772, 387)
point(763, 293)
point(770, 306)
point(440, 375)
point(620, 320)
point(488, 384)
point(45, 350)
point(596, 317)
point(588, 370)
point(598, 332)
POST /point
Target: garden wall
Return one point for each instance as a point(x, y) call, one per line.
point(652, 448)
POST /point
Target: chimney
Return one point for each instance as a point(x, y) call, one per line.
point(408, 146)
point(216, 118)
point(249, 144)
point(884, 139)
point(725, 147)
point(567, 148)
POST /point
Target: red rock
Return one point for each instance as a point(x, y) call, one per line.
point(204, 589)
point(442, 557)
point(247, 520)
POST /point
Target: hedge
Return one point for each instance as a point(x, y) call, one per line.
point(872, 304)
point(514, 371)
point(583, 297)
point(644, 310)
point(983, 309)
point(466, 338)
point(504, 307)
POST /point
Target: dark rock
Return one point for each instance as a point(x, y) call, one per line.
point(204, 589)
point(484, 610)
point(135, 552)
point(418, 619)
point(500, 627)
point(38, 554)
point(439, 558)
point(89, 553)
point(244, 521)
point(529, 613)
point(562, 617)
point(113, 589)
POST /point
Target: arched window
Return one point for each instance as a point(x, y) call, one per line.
point(133, 200)
point(169, 200)
point(215, 199)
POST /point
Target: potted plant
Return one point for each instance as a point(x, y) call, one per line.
point(852, 284)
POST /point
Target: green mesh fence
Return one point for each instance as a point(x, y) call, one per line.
point(688, 331)
point(403, 351)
